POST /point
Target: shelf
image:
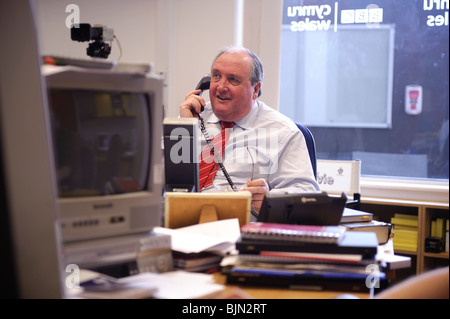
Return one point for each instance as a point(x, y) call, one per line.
point(405, 252)
point(443, 255)
point(426, 211)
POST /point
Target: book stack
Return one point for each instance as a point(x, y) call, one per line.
point(405, 232)
point(350, 215)
point(303, 257)
point(356, 220)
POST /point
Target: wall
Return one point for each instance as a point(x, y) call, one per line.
point(262, 34)
point(133, 22)
point(181, 37)
point(199, 29)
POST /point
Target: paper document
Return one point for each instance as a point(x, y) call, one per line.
point(218, 236)
point(179, 284)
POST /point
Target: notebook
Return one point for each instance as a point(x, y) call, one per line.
point(353, 242)
point(302, 208)
point(292, 233)
point(354, 216)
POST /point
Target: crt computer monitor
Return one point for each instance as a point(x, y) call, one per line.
point(106, 129)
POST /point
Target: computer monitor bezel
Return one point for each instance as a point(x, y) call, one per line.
point(91, 217)
point(184, 209)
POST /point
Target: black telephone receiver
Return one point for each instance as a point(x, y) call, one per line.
point(204, 85)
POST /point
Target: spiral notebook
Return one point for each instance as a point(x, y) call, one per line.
point(292, 232)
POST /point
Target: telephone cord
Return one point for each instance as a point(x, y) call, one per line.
point(219, 161)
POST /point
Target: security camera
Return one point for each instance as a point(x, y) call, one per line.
point(97, 35)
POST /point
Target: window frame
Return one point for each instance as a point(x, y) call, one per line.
point(405, 189)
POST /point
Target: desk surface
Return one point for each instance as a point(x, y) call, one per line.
point(274, 293)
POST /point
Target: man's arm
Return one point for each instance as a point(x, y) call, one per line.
point(293, 171)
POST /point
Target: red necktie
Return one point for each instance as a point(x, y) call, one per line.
point(208, 163)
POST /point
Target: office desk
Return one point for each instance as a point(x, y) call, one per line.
point(274, 293)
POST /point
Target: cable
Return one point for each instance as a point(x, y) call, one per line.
point(120, 48)
point(219, 161)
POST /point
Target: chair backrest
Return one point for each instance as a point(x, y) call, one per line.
point(311, 144)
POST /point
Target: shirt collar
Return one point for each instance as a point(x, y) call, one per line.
point(245, 123)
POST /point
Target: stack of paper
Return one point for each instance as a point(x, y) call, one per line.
point(201, 247)
point(180, 285)
point(405, 232)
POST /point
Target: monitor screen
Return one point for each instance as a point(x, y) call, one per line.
point(102, 141)
point(313, 208)
point(106, 134)
point(186, 209)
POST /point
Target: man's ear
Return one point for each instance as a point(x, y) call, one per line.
point(257, 91)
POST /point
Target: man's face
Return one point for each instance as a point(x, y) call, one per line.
point(231, 93)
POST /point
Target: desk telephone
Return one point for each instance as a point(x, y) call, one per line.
point(204, 85)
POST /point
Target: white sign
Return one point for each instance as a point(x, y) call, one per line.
point(339, 176)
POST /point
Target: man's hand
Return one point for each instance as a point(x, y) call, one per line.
point(192, 105)
point(258, 188)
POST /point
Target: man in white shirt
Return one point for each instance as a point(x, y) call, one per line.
point(265, 150)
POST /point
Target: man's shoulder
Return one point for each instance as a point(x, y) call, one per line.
point(274, 118)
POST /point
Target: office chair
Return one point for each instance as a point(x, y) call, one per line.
point(354, 203)
point(311, 144)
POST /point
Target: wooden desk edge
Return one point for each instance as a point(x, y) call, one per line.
point(234, 291)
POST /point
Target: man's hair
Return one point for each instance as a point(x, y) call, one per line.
point(257, 73)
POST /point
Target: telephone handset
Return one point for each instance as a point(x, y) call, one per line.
point(204, 85)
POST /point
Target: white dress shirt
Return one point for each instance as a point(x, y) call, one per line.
point(264, 144)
